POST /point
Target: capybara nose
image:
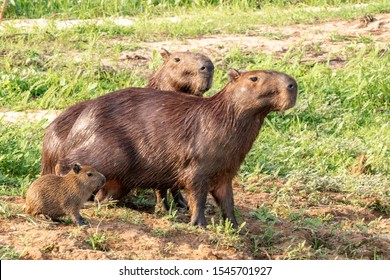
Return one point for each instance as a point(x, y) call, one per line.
point(207, 68)
point(292, 86)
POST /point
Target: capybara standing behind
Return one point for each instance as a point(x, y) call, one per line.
point(143, 138)
point(186, 72)
point(56, 196)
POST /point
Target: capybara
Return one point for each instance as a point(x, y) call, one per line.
point(143, 138)
point(56, 196)
point(187, 72)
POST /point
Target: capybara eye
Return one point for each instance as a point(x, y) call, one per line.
point(177, 59)
point(253, 79)
point(89, 174)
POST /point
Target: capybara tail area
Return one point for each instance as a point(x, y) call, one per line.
point(47, 165)
point(49, 158)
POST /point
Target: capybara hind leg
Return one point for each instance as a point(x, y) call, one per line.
point(223, 195)
point(162, 204)
point(101, 195)
point(111, 190)
point(197, 200)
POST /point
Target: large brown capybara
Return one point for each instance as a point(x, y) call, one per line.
point(186, 72)
point(57, 196)
point(143, 138)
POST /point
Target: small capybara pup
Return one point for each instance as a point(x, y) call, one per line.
point(185, 72)
point(145, 138)
point(55, 196)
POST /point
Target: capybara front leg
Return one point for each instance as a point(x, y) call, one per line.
point(223, 195)
point(76, 217)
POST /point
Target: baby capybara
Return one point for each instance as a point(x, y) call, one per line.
point(187, 72)
point(55, 196)
point(144, 138)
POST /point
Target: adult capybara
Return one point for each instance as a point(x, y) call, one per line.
point(143, 138)
point(56, 196)
point(187, 72)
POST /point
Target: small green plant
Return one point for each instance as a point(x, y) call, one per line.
point(264, 214)
point(225, 233)
point(159, 232)
point(8, 253)
point(172, 213)
point(268, 237)
point(7, 211)
point(98, 240)
point(169, 248)
point(301, 251)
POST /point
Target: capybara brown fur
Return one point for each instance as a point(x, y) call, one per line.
point(186, 72)
point(143, 138)
point(55, 196)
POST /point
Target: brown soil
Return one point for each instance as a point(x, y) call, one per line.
point(133, 231)
point(351, 230)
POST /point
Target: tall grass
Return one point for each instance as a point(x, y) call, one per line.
point(104, 8)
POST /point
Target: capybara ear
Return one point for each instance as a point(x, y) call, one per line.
point(76, 168)
point(165, 54)
point(233, 74)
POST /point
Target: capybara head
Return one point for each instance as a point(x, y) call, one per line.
point(186, 72)
point(262, 90)
point(87, 177)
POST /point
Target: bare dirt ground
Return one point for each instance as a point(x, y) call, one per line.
point(134, 231)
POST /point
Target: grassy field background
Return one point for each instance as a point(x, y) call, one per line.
point(336, 140)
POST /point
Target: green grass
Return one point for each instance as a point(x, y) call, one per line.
point(98, 8)
point(8, 253)
point(20, 147)
point(98, 241)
